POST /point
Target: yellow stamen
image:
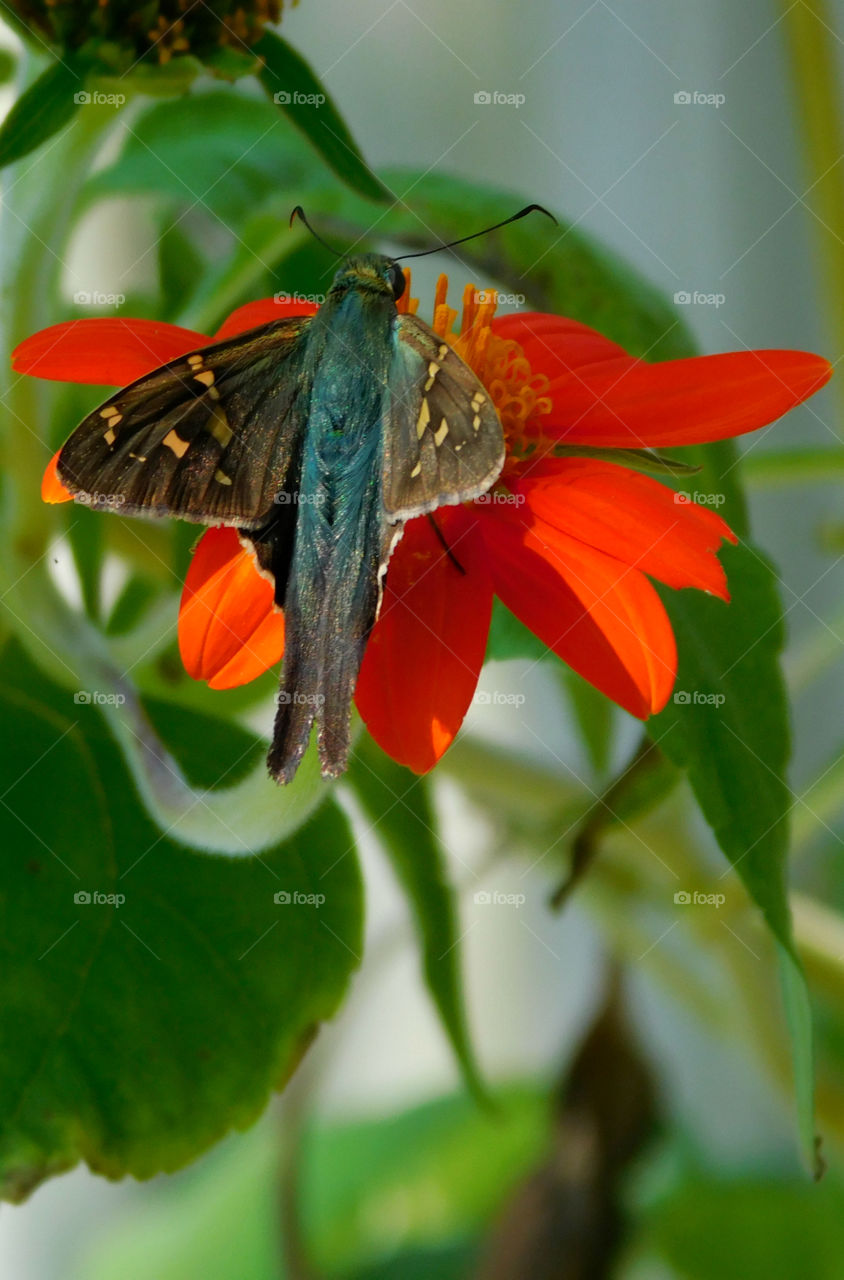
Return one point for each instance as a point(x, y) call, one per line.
point(407, 305)
point(520, 396)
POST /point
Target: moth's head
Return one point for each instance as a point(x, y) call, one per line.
point(372, 272)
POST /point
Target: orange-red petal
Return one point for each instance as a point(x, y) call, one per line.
point(607, 399)
point(229, 630)
point(600, 616)
point(103, 350)
point(422, 662)
point(52, 489)
point(262, 311)
point(558, 346)
point(632, 517)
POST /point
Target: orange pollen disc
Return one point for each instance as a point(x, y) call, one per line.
point(520, 396)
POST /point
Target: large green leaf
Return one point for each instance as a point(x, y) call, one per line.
point(735, 750)
point(559, 269)
point(42, 109)
point(370, 1189)
point(221, 152)
point(741, 1228)
point(736, 753)
point(397, 804)
point(138, 1030)
point(728, 727)
point(297, 91)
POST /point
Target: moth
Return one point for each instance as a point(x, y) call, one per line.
point(317, 438)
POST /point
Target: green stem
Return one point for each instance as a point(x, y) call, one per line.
point(809, 28)
point(647, 776)
point(783, 468)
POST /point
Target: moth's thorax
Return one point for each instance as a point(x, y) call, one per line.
point(369, 273)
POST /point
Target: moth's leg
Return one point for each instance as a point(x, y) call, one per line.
point(446, 548)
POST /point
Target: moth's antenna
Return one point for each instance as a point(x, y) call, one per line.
point(523, 213)
point(299, 213)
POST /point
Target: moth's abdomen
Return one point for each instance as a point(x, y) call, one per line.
point(332, 595)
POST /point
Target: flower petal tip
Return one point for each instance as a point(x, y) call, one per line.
point(52, 489)
point(229, 630)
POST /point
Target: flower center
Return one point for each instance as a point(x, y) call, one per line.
point(520, 396)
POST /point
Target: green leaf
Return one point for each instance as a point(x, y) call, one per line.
point(595, 716)
point(446, 1163)
point(207, 747)
point(297, 91)
point(8, 65)
point(727, 726)
point(736, 754)
point(397, 803)
point(750, 1227)
point(269, 257)
point(510, 638)
point(137, 1032)
point(218, 152)
point(558, 269)
point(134, 599)
point(180, 268)
point(42, 109)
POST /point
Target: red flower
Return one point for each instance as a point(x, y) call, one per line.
point(567, 541)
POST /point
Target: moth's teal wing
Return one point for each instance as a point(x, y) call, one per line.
point(209, 437)
point(443, 441)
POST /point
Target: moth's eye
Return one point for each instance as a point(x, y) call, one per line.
point(396, 280)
